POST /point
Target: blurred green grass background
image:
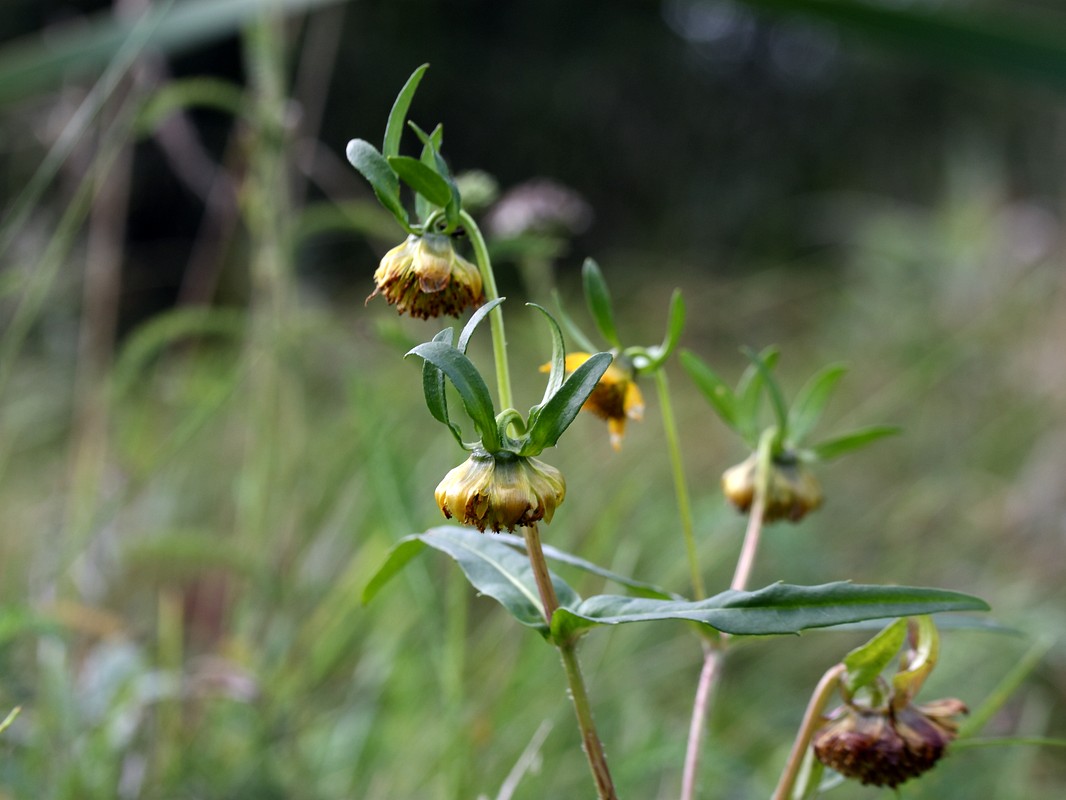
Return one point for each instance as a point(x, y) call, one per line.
point(197, 488)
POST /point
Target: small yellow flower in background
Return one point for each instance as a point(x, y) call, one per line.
point(425, 277)
point(501, 491)
point(886, 746)
point(616, 397)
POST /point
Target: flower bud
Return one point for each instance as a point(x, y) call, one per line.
point(792, 489)
point(501, 491)
point(883, 747)
point(425, 277)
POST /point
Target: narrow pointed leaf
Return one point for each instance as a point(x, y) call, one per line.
point(811, 399)
point(558, 360)
point(431, 157)
point(717, 391)
point(558, 412)
point(749, 395)
point(599, 301)
point(572, 330)
point(866, 662)
point(398, 115)
point(433, 388)
point(777, 399)
point(776, 609)
point(468, 383)
point(674, 325)
point(839, 445)
point(398, 557)
point(476, 319)
point(383, 180)
point(422, 179)
point(639, 588)
point(431, 144)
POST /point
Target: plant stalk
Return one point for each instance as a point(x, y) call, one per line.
point(812, 718)
point(499, 337)
point(590, 739)
point(684, 506)
point(714, 651)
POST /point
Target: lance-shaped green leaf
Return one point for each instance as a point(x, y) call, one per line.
point(845, 443)
point(468, 383)
point(430, 148)
point(599, 301)
point(383, 180)
point(476, 319)
point(866, 662)
point(639, 588)
point(717, 391)
point(433, 388)
point(492, 567)
point(674, 325)
point(572, 329)
point(432, 157)
point(556, 415)
point(811, 399)
point(777, 609)
point(749, 394)
point(777, 398)
point(422, 179)
point(918, 662)
point(398, 115)
point(558, 361)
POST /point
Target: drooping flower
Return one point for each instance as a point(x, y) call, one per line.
point(792, 489)
point(425, 277)
point(884, 746)
point(501, 491)
point(616, 398)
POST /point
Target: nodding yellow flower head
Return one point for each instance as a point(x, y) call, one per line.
point(616, 397)
point(425, 277)
point(501, 491)
point(886, 746)
point(792, 489)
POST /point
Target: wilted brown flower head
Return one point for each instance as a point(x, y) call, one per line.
point(883, 746)
point(501, 491)
point(792, 489)
point(425, 277)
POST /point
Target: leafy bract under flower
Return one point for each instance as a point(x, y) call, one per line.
point(501, 491)
point(425, 277)
point(616, 398)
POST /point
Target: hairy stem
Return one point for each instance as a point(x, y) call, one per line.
point(812, 718)
point(499, 337)
point(684, 507)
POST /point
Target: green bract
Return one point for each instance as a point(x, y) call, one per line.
point(740, 408)
point(598, 299)
point(436, 193)
point(546, 421)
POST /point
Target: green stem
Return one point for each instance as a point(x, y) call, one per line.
point(590, 739)
point(684, 506)
point(812, 720)
point(499, 338)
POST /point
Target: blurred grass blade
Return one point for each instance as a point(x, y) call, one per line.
point(1005, 44)
point(10, 718)
point(1006, 687)
point(202, 92)
point(41, 62)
